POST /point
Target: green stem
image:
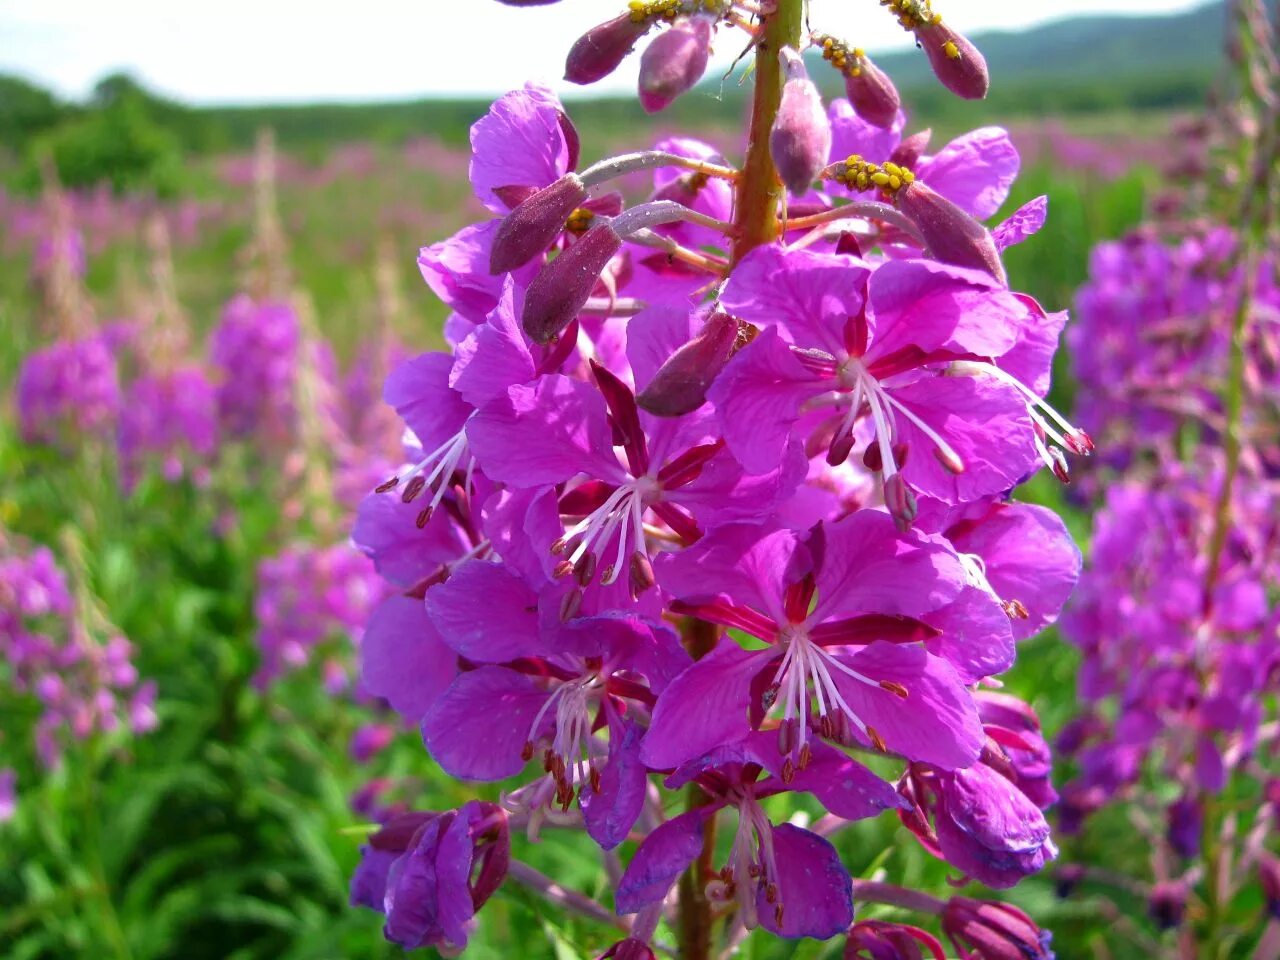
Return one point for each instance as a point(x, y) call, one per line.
point(760, 192)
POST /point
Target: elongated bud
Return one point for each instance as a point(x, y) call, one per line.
point(597, 53)
point(533, 226)
point(956, 62)
point(988, 930)
point(674, 62)
point(1269, 875)
point(909, 150)
point(800, 141)
point(952, 235)
point(872, 93)
point(1167, 904)
point(681, 383)
point(559, 291)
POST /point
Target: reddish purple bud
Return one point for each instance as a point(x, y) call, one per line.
point(873, 95)
point(1184, 821)
point(881, 940)
point(1167, 904)
point(533, 226)
point(674, 62)
point(597, 53)
point(1269, 877)
point(956, 62)
point(628, 949)
point(559, 291)
point(951, 234)
point(800, 141)
point(681, 383)
point(989, 930)
point(909, 150)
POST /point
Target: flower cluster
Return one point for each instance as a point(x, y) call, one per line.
point(69, 391)
point(722, 512)
point(79, 669)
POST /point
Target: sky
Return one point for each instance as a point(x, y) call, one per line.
point(251, 51)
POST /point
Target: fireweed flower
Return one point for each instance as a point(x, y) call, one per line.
point(840, 614)
point(171, 418)
point(68, 390)
point(837, 341)
point(255, 350)
point(782, 877)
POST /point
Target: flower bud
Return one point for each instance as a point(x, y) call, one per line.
point(674, 62)
point(881, 940)
point(1184, 819)
point(873, 95)
point(956, 62)
point(951, 234)
point(800, 141)
point(681, 383)
point(909, 150)
point(533, 226)
point(597, 53)
point(987, 930)
point(1269, 878)
point(1167, 904)
point(559, 291)
point(628, 949)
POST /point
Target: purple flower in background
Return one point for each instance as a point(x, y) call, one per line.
point(68, 391)
point(255, 351)
point(170, 418)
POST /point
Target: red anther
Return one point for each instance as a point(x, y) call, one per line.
point(584, 570)
point(777, 915)
point(901, 501)
point(897, 689)
point(840, 448)
point(642, 577)
point(526, 752)
point(386, 485)
point(806, 755)
point(558, 547)
point(548, 760)
point(872, 458)
point(1016, 610)
point(771, 893)
point(414, 488)
point(570, 604)
point(788, 732)
point(1060, 469)
point(788, 771)
point(1080, 443)
point(593, 776)
point(562, 569)
point(949, 459)
point(876, 740)
point(424, 516)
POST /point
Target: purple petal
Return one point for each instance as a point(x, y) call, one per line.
point(843, 786)
point(989, 829)
point(813, 887)
point(724, 492)
point(758, 398)
point(974, 171)
point(977, 636)
point(543, 433)
point(457, 271)
point(654, 334)
point(486, 614)
point(937, 722)
point(419, 390)
point(495, 356)
point(869, 567)
point(477, 730)
point(1030, 360)
point(519, 142)
point(809, 296)
point(404, 659)
point(455, 909)
point(369, 882)
point(660, 859)
point(851, 134)
point(984, 421)
point(1024, 222)
point(387, 532)
point(611, 813)
point(704, 707)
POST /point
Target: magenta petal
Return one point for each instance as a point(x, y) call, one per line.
point(455, 908)
point(813, 888)
point(1029, 557)
point(987, 425)
point(403, 658)
point(457, 271)
point(543, 433)
point(758, 398)
point(519, 142)
point(843, 786)
point(704, 707)
point(977, 637)
point(869, 567)
point(1030, 360)
point(611, 813)
point(477, 730)
point(989, 829)
point(1024, 222)
point(928, 305)
point(937, 723)
point(808, 296)
point(486, 614)
point(660, 859)
point(974, 171)
point(852, 134)
point(387, 532)
point(746, 562)
point(654, 334)
point(419, 391)
point(495, 355)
